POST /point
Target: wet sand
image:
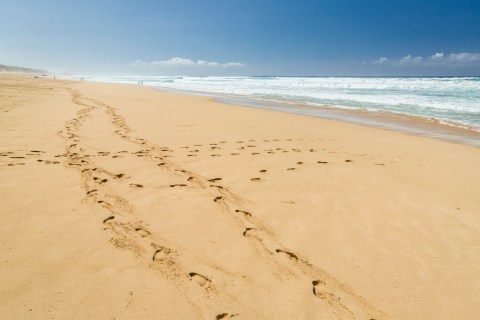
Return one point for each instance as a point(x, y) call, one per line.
point(423, 126)
point(120, 201)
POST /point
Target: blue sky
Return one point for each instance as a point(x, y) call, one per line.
point(243, 37)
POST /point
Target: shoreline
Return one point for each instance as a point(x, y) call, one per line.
point(417, 125)
point(448, 130)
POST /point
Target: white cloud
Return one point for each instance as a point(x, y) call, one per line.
point(437, 59)
point(381, 60)
point(464, 57)
point(208, 63)
point(437, 56)
point(173, 62)
point(409, 60)
point(182, 62)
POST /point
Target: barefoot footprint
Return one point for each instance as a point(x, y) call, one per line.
point(318, 290)
point(161, 254)
point(201, 280)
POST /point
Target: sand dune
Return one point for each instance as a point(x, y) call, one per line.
point(123, 202)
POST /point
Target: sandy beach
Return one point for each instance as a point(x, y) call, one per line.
point(125, 202)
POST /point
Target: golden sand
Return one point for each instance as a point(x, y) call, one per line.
point(123, 202)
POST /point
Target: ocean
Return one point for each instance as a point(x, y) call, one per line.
point(450, 100)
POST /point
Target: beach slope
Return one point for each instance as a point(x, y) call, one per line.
point(124, 202)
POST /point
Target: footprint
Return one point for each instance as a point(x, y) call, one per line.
point(108, 219)
point(262, 171)
point(142, 232)
point(215, 155)
point(221, 316)
point(102, 154)
point(91, 191)
point(379, 164)
point(135, 185)
point(104, 203)
point(215, 186)
point(214, 179)
point(255, 153)
point(256, 179)
point(290, 168)
point(322, 161)
point(217, 199)
point(299, 162)
point(161, 164)
point(100, 181)
point(318, 285)
point(190, 178)
point(235, 154)
point(290, 255)
point(178, 185)
point(201, 280)
point(348, 160)
point(248, 214)
point(161, 254)
point(248, 232)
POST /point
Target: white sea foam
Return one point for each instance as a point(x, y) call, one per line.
point(445, 99)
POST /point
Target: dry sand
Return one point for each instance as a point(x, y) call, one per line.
point(123, 202)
